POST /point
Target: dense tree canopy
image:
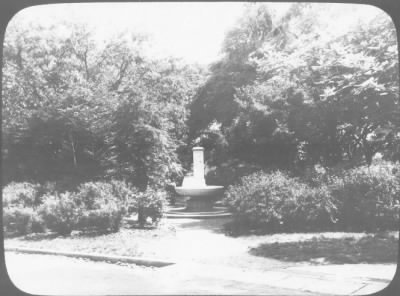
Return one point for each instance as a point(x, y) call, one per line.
point(75, 109)
point(289, 91)
point(294, 92)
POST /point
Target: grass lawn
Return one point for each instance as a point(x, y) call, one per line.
point(371, 248)
point(126, 242)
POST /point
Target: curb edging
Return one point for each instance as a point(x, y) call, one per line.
point(96, 257)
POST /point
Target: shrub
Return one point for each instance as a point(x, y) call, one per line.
point(107, 217)
point(60, 213)
point(122, 190)
point(23, 194)
point(103, 204)
point(170, 193)
point(368, 197)
point(94, 194)
point(21, 221)
point(148, 204)
point(275, 201)
point(91, 194)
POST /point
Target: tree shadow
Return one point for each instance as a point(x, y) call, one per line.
point(75, 234)
point(141, 227)
point(40, 236)
point(370, 249)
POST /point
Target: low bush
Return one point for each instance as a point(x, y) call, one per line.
point(103, 204)
point(358, 199)
point(368, 198)
point(97, 206)
point(60, 212)
point(106, 218)
point(20, 221)
point(23, 194)
point(91, 195)
point(94, 194)
point(275, 201)
point(148, 204)
point(123, 191)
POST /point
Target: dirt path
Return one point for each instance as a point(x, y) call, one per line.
point(57, 275)
point(203, 241)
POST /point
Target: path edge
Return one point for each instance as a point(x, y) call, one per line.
point(96, 257)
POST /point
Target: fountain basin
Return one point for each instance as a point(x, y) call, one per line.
point(204, 191)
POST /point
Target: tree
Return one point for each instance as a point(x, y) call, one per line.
point(215, 99)
point(77, 110)
point(292, 89)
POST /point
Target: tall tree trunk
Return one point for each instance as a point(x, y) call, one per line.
point(73, 149)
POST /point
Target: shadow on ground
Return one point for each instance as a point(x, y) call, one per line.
point(40, 236)
point(370, 249)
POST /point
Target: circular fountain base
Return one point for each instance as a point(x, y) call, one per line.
point(197, 210)
point(200, 199)
point(199, 204)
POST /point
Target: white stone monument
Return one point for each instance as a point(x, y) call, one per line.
point(201, 196)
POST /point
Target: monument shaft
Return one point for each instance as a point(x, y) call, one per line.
point(198, 165)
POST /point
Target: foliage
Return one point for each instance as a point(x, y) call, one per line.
point(49, 134)
point(215, 99)
point(361, 198)
point(122, 190)
point(275, 201)
point(144, 152)
point(74, 110)
point(368, 197)
point(96, 206)
point(20, 220)
point(60, 213)
point(107, 217)
point(103, 204)
point(92, 195)
point(230, 172)
point(21, 195)
point(20, 204)
point(148, 204)
point(301, 92)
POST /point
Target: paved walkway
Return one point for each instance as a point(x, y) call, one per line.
point(55, 275)
point(46, 275)
point(207, 262)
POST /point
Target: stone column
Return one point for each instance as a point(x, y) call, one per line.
point(198, 165)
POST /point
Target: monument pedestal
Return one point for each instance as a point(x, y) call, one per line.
point(201, 197)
